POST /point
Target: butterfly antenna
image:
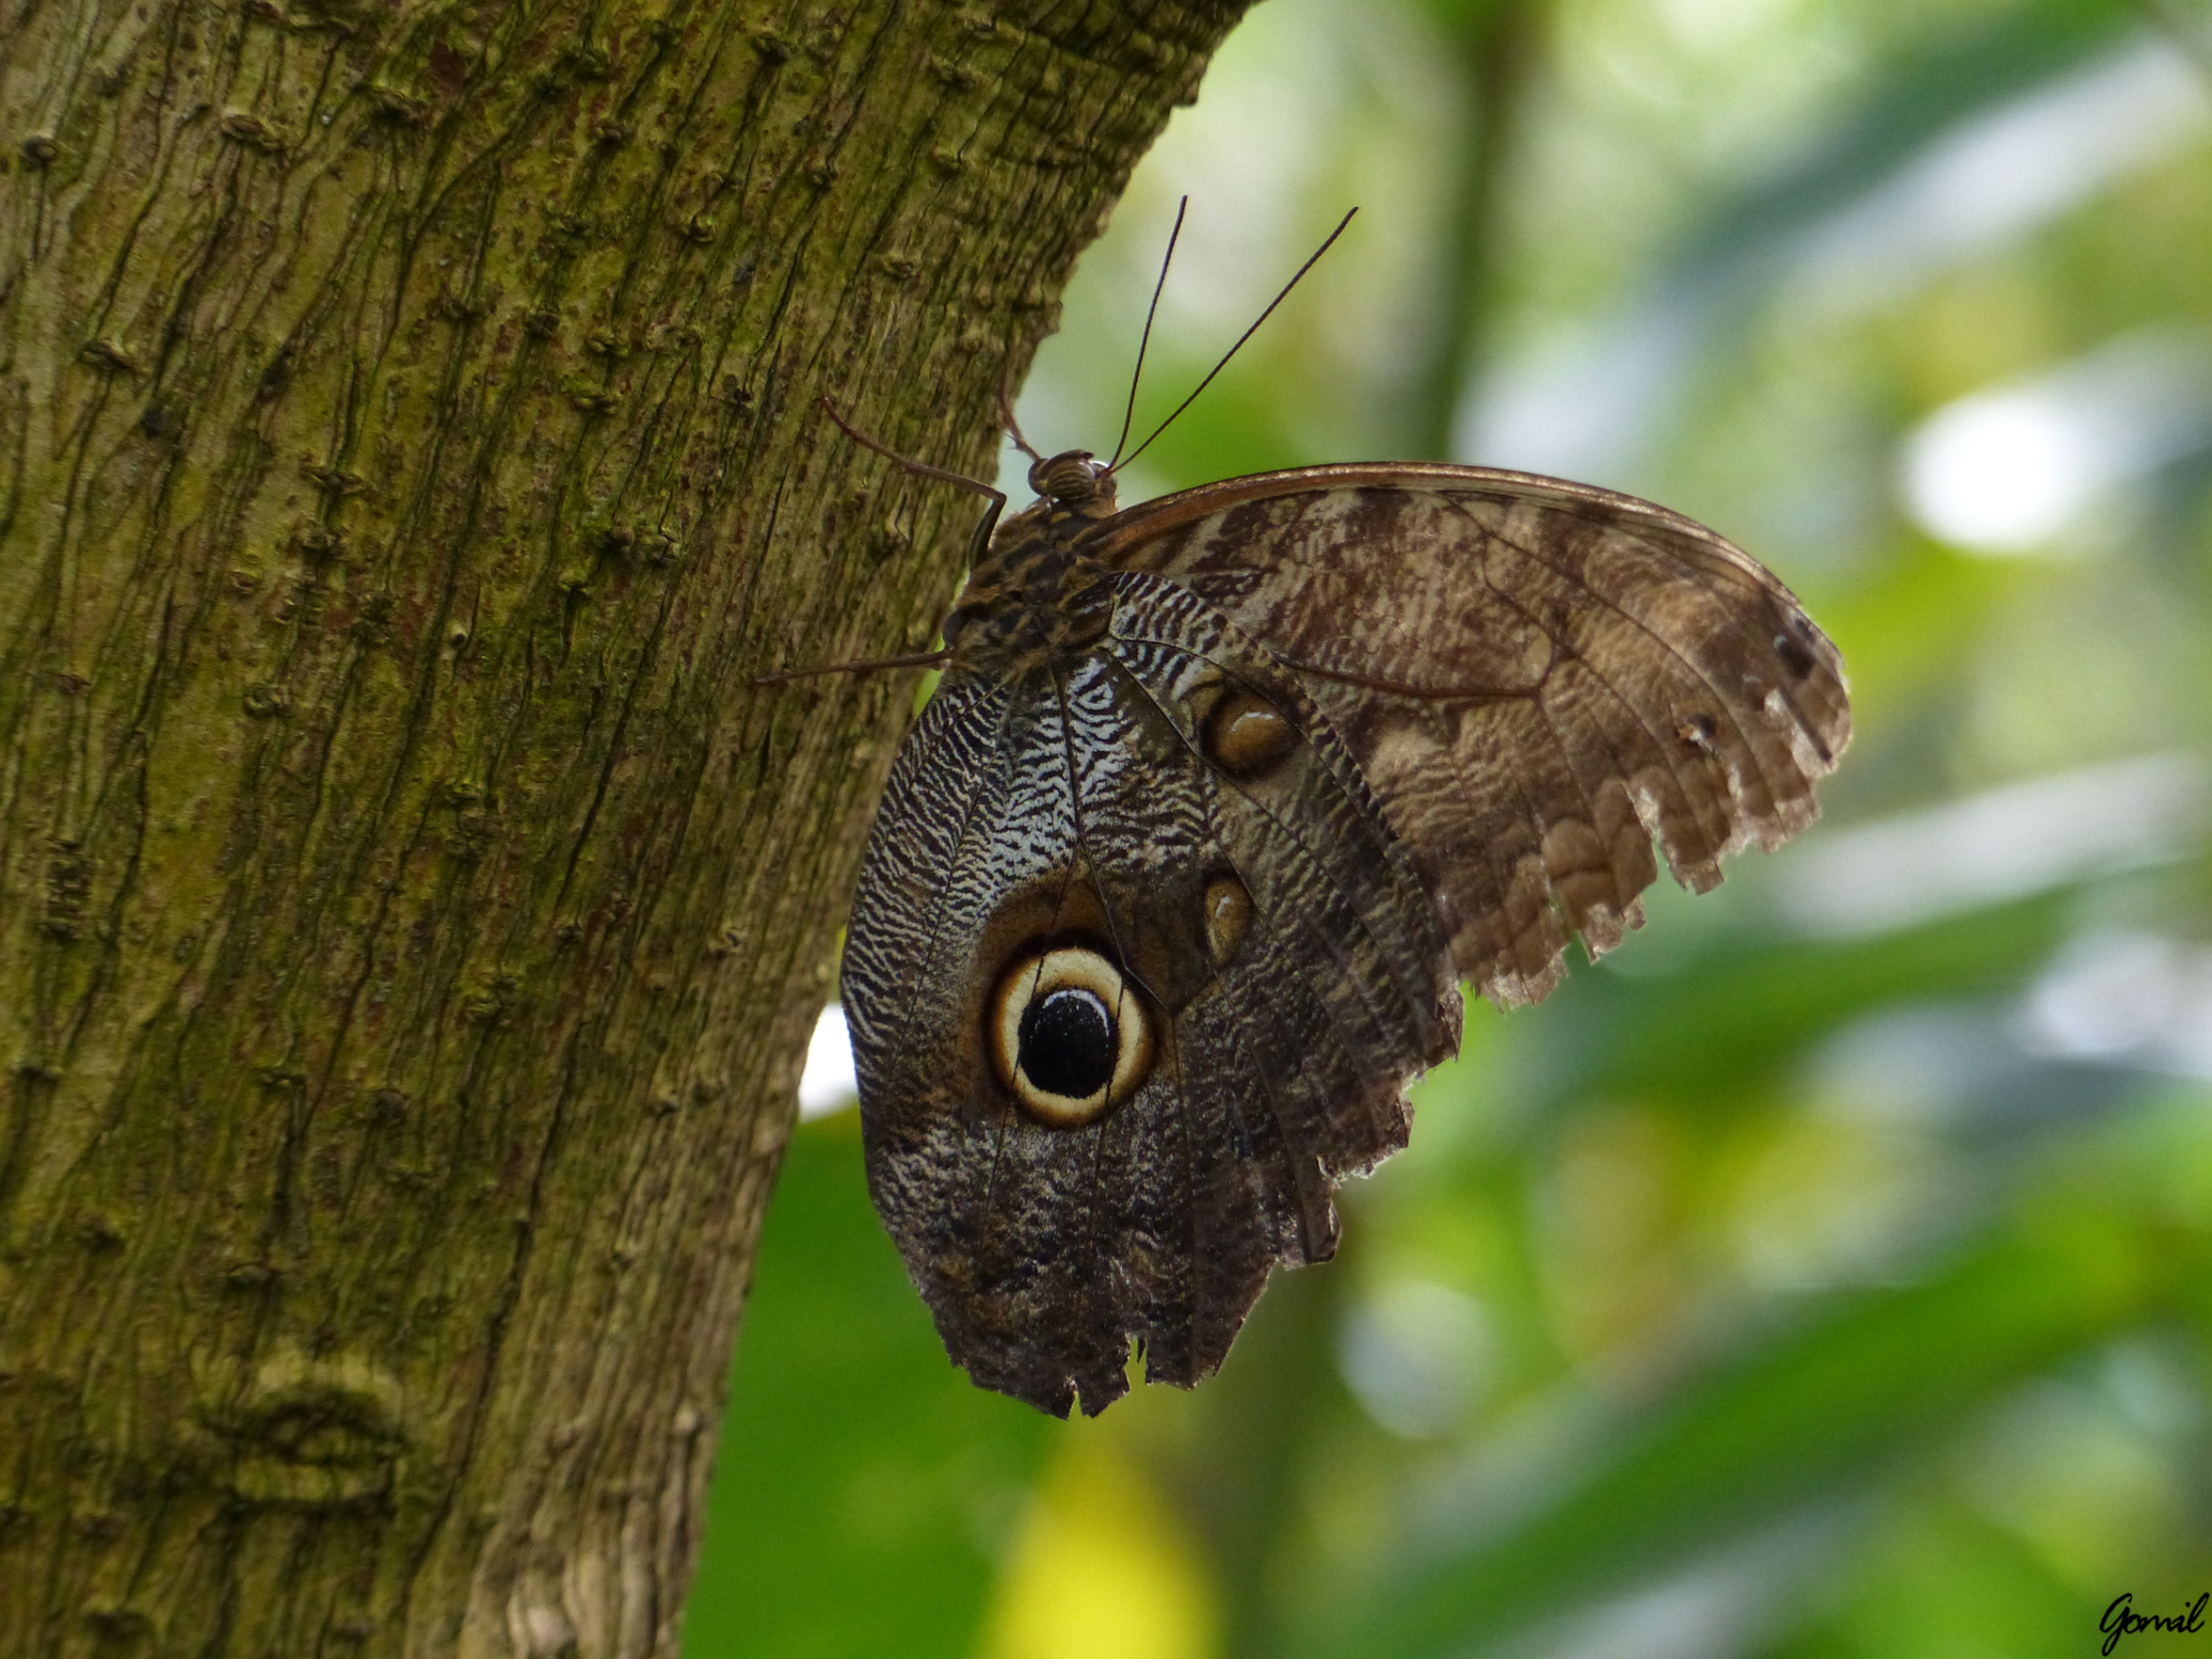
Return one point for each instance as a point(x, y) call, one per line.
point(1295, 278)
point(1129, 413)
point(1006, 414)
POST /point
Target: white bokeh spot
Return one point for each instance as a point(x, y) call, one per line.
point(827, 1085)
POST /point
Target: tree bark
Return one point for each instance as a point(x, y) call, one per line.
point(410, 913)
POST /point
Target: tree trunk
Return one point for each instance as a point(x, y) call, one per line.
point(410, 913)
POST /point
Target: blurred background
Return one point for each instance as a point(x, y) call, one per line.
point(1824, 1272)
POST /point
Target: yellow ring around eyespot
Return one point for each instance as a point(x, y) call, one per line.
point(1037, 975)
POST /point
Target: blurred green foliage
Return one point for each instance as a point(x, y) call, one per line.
point(865, 1491)
point(1824, 1273)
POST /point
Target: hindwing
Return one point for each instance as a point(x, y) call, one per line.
point(1267, 928)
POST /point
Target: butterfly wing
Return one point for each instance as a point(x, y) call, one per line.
point(1537, 677)
point(1265, 930)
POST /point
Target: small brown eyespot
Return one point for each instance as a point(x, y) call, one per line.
point(1245, 735)
point(1068, 1035)
point(1229, 914)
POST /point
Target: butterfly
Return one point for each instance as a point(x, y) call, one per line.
point(1219, 800)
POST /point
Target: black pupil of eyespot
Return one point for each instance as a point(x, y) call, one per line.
point(1068, 1044)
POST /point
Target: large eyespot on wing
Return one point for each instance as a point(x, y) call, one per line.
point(1538, 677)
point(1068, 1034)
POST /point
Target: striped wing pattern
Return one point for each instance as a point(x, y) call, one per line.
point(1078, 797)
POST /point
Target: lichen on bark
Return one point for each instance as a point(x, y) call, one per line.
point(410, 913)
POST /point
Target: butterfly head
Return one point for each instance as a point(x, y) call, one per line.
point(1074, 481)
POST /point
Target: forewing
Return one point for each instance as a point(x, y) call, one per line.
point(1537, 678)
point(1075, 804)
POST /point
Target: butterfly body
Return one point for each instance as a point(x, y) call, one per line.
point(1025, 597)
point(1219, 800)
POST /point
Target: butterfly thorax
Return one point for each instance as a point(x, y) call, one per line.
point(1034, 594)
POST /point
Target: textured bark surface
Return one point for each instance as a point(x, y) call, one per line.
point(410, 915)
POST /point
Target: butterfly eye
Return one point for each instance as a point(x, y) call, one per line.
point(1072, 480)
point(1068, 1036)
point(1245, 735)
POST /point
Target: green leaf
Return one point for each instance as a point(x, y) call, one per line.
point(1733, 1012)
point(1911, 102)
point(864, 1485)
point(1810, 1417)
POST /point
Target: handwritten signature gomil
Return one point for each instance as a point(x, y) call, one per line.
point(2122, 1620)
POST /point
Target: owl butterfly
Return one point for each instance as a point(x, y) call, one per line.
point(1219, 800)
